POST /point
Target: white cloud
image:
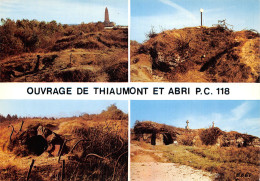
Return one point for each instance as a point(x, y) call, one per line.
point(241, 111)
point(142, 25)
point(236, 120)
point(178, 7)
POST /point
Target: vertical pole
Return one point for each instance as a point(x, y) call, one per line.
point(201, 18)
point(63, 170)
point(21, 126)
point(11, 132)
point(60, 151)
point(29, 173)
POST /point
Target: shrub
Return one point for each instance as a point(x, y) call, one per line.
point(113, 113)
point(151, 33)
point(209, 136)
point(31, 35)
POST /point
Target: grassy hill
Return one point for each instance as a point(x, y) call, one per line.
point(33, 51)
point(197, 54)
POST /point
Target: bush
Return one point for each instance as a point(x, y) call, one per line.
point(151, 33)
point(31, 35)
point(113, 113)
point(209, 136)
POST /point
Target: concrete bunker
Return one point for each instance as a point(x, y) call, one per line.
point(37, 140)
point(161, 139)
point(155, 134)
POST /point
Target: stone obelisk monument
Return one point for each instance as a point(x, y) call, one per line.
point(106, 22)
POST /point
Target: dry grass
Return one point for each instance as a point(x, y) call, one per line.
point(186, 139)
point(101, 155)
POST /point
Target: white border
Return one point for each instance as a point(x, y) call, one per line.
point(238, 91)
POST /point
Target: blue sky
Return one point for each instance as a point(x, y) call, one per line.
point(65, 11)
point(169, 14)
point(241, 116)
point(57, 108)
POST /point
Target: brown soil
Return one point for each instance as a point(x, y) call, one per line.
point(198, 54)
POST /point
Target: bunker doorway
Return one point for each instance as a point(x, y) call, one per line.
point(153, 139)
point(167, 139)
point(36, 145)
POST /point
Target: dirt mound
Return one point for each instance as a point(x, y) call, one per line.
point(155, 133)
point(100, 40)
point(150, 127)
point(211, 54)
point(118, 72)
point(75, 75)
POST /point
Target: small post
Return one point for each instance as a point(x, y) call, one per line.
point(63, 170)
point(21, 126)
point(29, 173)
point(36, 68)
point(60, 151)
point(201, 11)
point(11, 132)
point(213, 124)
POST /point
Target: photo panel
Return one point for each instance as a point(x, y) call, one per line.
point(63, 140)
point(64, 41)
point(194, 140)
point(195, 41)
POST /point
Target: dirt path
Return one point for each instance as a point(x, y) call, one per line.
point(145, 168)
point(165, 171)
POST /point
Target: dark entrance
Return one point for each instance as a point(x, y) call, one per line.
point(167, 139)
point(153, 139)
point(36, 145)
